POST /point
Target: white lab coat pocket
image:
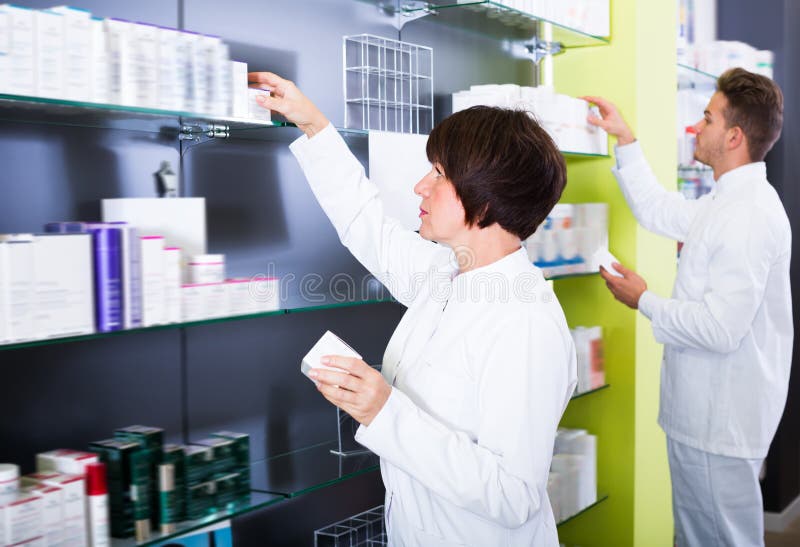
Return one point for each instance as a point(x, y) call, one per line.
point(443, 391)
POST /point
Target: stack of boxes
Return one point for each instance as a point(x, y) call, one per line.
point(568, 239)
point(49, 507)
point(588, 16)
point(563, 117)
point(52, 501)
point(206, 477)
point(216, 473)
point(128, 479)
point(590, 358)
point(84, 277)
point(572, 482)
point(66, 54)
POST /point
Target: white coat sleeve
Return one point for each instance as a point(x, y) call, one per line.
point(665, 213)
point(398, 257)
point(522, 395)
point(740, 258)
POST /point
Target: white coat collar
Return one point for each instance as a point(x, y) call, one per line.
point(736, 179)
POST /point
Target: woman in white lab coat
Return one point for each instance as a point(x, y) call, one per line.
point(481, 367)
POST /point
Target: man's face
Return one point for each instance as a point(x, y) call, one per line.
point(712, 132)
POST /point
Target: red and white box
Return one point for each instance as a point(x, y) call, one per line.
point(21, 519)
point(74, 504)
point(64, 460)
point(52, 511)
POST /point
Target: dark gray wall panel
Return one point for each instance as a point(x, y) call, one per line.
point(291, 523)
point(262, 214)
point(65, 396)
point(771, 25)
point(53, 173)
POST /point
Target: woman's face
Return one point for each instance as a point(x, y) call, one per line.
point(441, 213)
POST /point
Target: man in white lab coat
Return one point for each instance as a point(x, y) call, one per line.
point(727, 329)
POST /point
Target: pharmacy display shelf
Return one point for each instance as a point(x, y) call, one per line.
point(266, 132)
point(693, 78)
point(554, 273)
point(61, 112)
point(697, 73)
point(493, 19)
point(164, 123)
point(167, 123)
point(256, 500)
point(589, 392)
point(570, 154)
point(308, 469)
point(298, 306)
point(283, 311)
point(600, 499)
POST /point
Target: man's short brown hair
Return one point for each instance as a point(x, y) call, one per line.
point(504, 166)
point(755, 104)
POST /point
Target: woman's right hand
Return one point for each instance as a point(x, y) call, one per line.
point(289, 101)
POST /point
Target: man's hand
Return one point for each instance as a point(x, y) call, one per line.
point(289, 101)
point(612, 121)
point(361, 391)
point(627, 289)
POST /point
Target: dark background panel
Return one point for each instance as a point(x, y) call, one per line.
point(55, 173)
point(291, 523)
point(68, 395)
point(263, 216)
point(771, 25)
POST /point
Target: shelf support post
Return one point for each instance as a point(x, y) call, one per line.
point(191, 132)
point(406, 11)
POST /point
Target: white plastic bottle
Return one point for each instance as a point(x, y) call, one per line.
point(97, 517)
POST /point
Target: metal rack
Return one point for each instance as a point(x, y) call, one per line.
point(364, 529)
point(388, 84)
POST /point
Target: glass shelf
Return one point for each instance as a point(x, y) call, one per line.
point(600, 499)
point(305, 307)
point(693, 78)
point(569, 154)
point(308, 469)
point(167, 123)
point(99, 335)
point(697, 72)
point(48, 111)
point(589, 392)
point(257, 500)
point(496, 20)
point(694, 169)
point(558, 272)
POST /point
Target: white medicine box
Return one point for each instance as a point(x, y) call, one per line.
point(182, 221)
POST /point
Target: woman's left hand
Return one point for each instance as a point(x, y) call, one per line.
point(361, 391)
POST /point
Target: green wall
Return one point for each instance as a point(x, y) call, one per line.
point(637, 71)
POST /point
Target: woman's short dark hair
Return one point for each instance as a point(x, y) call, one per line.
point(503, 164)
point(755, 104)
